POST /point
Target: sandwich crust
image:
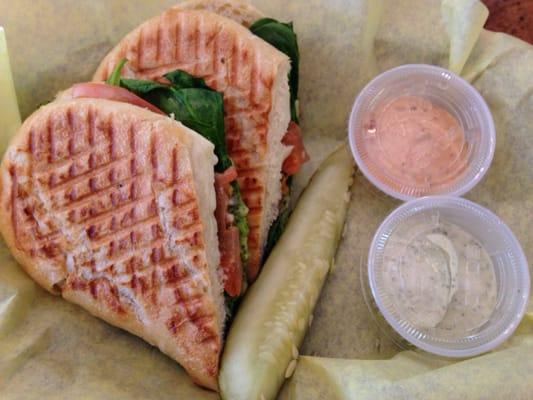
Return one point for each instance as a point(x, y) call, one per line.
point(253, 77)
point(239, 11)
point(99, 205)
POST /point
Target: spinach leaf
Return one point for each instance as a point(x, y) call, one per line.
point(114, 78)
point(181, 80)
point(201, 110)
point(140, 87)
point(282, 37)
point(197, 107)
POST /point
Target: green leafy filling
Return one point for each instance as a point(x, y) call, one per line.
point(191, 102)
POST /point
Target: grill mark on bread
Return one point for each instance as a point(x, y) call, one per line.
point(14, 197)
point(177, 42)
point(91, 124)
point(253, 80)
point(133, 191)
point(111, 137)
point(31, 150)
point(195, 44)
point(133, 162)
point(111, 212)
point(157, 43)
point(44, 166)
point(109, 190)
point(49, 237)
point(232, 61)
point(92, 172)
point(129, 253)
point(51, 141)
point(125, 228)
point(71, 133)
point(174, 165)
point(217, 60)
point(111, 299)
point(31, 142)
point(139, 48)
point(189, 42)
point(153, 158)
point(193, 313)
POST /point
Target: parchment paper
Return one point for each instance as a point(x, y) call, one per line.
point(51, 349)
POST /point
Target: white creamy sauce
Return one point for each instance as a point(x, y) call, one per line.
point(441, 278)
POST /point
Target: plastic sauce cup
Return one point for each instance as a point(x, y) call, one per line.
point(511, 275)
point(471, 146)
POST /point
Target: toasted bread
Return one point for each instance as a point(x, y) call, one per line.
point(514, 17)
point(111, 206)
point(239, 11)
point(253, 77)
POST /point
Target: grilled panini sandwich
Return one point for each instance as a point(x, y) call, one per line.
point(150, 199)
point(259, 89)
point(112, 207)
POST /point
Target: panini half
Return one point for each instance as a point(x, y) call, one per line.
point(112, 207)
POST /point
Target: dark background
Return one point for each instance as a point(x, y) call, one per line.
point(514, 17)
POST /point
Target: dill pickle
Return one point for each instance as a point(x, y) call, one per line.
point(263, 340)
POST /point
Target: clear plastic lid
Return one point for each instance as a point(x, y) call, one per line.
point(419, 130)
point(448, 275)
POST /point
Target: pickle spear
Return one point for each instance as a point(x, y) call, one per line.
point(262, 344)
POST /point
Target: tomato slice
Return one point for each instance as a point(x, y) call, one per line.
point(228, 235)
point(226, 177)
point(298, 155)
point(110, 92)
point(230, 262)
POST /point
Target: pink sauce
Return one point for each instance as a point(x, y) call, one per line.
point(411, 142)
